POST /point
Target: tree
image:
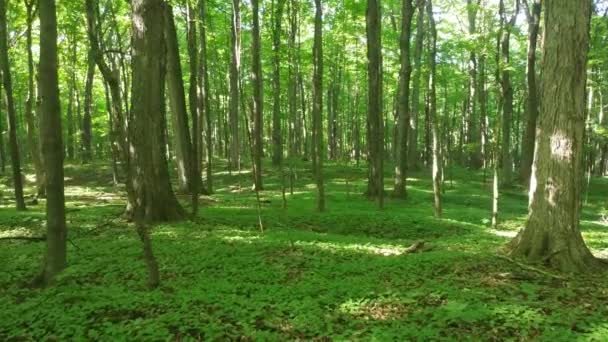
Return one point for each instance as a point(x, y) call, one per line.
point(403, 107)
point(317, 107)
point(177, 100)
point(375, 134)
point(433, 120)
point(85, 129)
point(277, 135)
point(10, 104)
point(30, 118)
point(552, 232)
point(52, 145)
point(258, 97)
point(235, 69)
point(204, 102)
point(473, 133)
point(415, 113)
point(149, 176)
point(532, 11)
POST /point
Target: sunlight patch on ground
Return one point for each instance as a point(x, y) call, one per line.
point(375, 309)
point(244, 239)
point(20, 231)
point(384, 250)
point(503, 233)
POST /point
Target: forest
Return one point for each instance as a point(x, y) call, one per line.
point(303, 170)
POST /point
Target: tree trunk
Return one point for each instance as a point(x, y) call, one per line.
point(529, 138)
point(30, 118)
point(507, 97)
point(413, 158)
point(277, 137)
point(434, 122)
point(205, 103)
point(71, 104)
point(51, 143)
point(375, 134)
point(235, 67)
point(552, 232)
point(473, 132)
point(177, 99)
point(86, 134)
point(317, 109)
point(154, 198)
point(258, 98)
point(403, 108)
point(293, 134)
point(193, 104)
point(10, 104)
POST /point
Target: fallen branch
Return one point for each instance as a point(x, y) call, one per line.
point(531, 268)
point(25, 238)
point(418, 245)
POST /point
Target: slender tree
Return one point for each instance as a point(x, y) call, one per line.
point(473, 132)
point(52, 145)
point(204, 94)
point(258, 97)
point(10, 104)
point(552, 232)
point(317, 108)
point(433, 120)
point(533, 11)
point(235, 67)
point(277, 135)
point(403, 108)
point(415, 112)
point(86, 134)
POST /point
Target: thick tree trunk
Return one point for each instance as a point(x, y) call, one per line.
point(403, 107)
point(258, 98)
point(434, 121)
point(52, 145)
point(154, 198)
point(529, 137)
point(552, 233)
point(30, 118)
point(506, 158)
point(177, 100)
point(317, 109)
point(235, 67)
point(277, 135)
point(10, 104)
point(375, 134)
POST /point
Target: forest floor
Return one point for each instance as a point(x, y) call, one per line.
point(338, 275)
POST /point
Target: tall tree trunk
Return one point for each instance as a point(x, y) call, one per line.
point(533, 11)
point(277, 136)
point(10, 104)
point(294, 143)
point(473, 132)
point(193, 104)
point(235, 67)
point(317, 109)
point(177, 100)
point(507, 97)
point(258, 97)
point(413, 158)
point(154, 198)
point(434, 121)
point(552, 232)
point(403, 108)
point(70, 142)
point(375, 134)
point(205, 103)
point(52, 145)
point(2, 152)
point(30, 118)
point(86, 133)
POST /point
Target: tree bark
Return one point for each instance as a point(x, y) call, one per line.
point(86, 133)
point(473, 132)
point(235, 67)
point(317, 109)
point(433, 120)
point(552, 232)
point(412, 154)
point(10, 104)
point(154, 198)
point(277, 135)
point(204, 102)
point(52, 145)
point(529, 138)
point(403, 108)
point(30, 118)
point(258, 98)
point(177, 100)
point(375, 134)
point(507, 97)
